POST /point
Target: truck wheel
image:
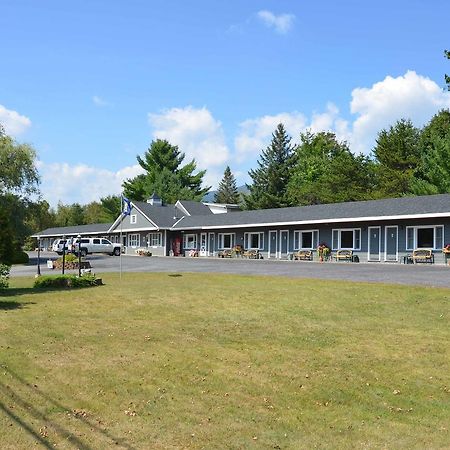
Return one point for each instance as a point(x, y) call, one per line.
point(83, 252)
point(117, 252)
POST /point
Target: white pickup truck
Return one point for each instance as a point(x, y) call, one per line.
point(95, 245)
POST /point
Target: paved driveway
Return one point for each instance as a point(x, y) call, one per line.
point(426, 275)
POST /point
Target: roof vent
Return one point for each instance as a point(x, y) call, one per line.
point(155, 200)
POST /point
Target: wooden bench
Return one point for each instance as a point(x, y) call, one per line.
point(344, 255)
point(423, 255)
point(225, 254)
point(252, 254)
point(303, 255)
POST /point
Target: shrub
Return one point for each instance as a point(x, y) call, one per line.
point(20, 257)
point(30, 244)
point(143, 252)
point(65, 281)
point(4, 276)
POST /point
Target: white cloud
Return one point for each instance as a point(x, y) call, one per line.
point(13, 122)
point(98, 101)
point(410, 96)
point(255, 134)
point(81, 183)
point(196, 133)
point(281, 23)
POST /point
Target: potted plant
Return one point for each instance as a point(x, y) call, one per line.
point(323, 251)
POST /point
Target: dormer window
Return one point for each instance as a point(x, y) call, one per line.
point(133, 218)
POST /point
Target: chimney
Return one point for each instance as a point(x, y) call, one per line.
point(154, 200)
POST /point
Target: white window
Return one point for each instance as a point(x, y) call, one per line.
point(226, 241)
point(133, 218)
point(190, 241)
point(254, 241)
point(134, 240)
point(346, 239)
point(155, 240)
point(306, 239)
point(425, 237)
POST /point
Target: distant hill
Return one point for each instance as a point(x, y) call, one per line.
point(209, 197)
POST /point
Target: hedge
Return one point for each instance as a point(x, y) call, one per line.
point(20, 258)
point(65, 281)
point(4, 276)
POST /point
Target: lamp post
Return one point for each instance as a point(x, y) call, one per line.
point(79, 254)
point(64, 254)
point(39, 257)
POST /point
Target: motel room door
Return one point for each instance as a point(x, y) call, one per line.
point(211, 246)
point(272, 244)
point(374, 243)
point(203, 245)
point(391, 243)
point(284, 243)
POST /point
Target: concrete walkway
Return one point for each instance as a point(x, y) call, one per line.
point(419, 274)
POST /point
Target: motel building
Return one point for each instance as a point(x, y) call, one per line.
point(377, 231)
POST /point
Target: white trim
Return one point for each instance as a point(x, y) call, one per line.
point(203, 251)
point(149, 239)
point(133, 219)
point(379, 243)
point(138, 240)
point(385, 243)
point(300, 239)
point(269, 249)
point(415, 228)
point(122, 216)
point(339, 246)
point(130, 230)
point(287, 243)
point(247, 239)
point(318, 221)
point(185, 236)
point(220, 241)
point(179, 205)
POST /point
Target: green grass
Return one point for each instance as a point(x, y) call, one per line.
point(218, 361)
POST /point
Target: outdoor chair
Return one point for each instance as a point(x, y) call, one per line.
point(423, 256)
point(344, 255)
point(303, 255)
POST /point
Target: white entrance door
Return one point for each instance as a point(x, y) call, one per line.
point(203, 245)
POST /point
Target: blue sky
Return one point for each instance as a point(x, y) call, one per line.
point(89, 84)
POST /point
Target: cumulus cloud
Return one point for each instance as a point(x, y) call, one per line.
point(409, 96)
point(255, 134)
point(281, 23)
point(196, 132)
point(81, 183)
point(13, 122)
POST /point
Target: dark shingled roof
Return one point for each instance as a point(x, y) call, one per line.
point(162, 216)
point(429, 204)
point(93, 228)
point(195, 208)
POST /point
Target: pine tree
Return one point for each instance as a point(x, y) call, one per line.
point(165, 175)
point(270, 179)
point(447, 77)
point(433, 173)
point(397, 153)
point(227, 191)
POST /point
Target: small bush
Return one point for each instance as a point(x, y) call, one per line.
point(30, 244)
point(20, 258)
point(64, 281)
point(4, 276)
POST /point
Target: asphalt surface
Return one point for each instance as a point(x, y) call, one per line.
point(419, 274)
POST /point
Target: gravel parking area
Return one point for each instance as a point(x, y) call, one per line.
point(420, 274)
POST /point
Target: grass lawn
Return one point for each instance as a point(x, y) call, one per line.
point(220, 361)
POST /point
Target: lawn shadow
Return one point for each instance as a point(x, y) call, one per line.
point(91, 424)
point(8, 306)
point(14, 292)
point(175, 275)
